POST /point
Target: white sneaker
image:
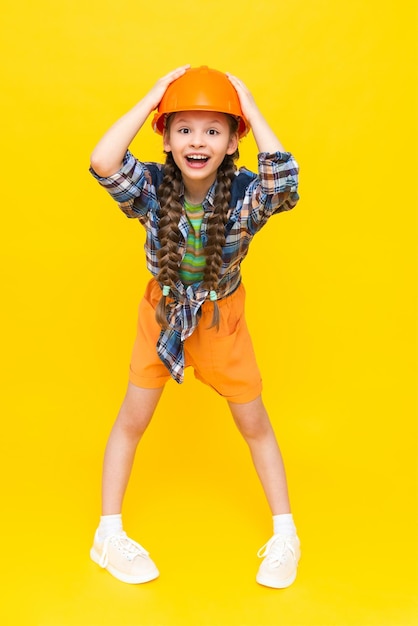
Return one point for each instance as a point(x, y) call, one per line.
point(125, 559)
point(281, 557)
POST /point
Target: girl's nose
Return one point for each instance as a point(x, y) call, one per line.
point(197, 139)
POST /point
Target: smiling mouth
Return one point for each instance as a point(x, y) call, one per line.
point(197, 158)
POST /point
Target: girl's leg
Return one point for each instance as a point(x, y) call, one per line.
point(282, 552)
point(253, 423)
point(134, 416)
point(112, 549)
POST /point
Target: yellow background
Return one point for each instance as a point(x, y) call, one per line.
point(331, 304)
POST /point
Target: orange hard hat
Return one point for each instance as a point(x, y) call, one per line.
point(200, 89)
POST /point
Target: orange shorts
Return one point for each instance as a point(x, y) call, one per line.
point(222, 359)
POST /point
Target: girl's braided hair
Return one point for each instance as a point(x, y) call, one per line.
point(169, 256)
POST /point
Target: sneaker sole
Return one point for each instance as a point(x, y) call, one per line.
point(268, 582)
point(125, 578)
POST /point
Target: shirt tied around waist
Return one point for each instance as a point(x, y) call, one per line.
point(184, 309)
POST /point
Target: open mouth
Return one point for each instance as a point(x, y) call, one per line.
point(197, 159)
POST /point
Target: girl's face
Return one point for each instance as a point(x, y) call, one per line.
point(199, 141)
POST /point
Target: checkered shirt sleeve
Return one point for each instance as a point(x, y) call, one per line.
point(131, 184)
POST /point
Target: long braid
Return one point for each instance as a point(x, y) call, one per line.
point(216, 230)
point(168, 256)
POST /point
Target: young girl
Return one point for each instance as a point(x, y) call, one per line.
point(200, 215)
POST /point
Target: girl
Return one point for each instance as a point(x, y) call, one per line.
point(200, 215)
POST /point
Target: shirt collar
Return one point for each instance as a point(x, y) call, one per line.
point(210, 196)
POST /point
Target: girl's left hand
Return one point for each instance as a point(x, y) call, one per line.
point(246, 99)
point(266, 139)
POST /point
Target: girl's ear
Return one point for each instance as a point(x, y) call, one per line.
point(233, 144)
point(166, 142)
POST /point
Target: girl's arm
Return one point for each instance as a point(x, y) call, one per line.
point(107, 156)
point(265, 138)
point(277, 183)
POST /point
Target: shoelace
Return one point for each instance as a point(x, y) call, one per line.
point(129, 548)
point(277, 549)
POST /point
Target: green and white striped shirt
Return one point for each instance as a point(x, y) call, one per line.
point(193, 263)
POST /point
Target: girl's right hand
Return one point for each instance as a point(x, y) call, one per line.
point(107, 156)
point(155, 95)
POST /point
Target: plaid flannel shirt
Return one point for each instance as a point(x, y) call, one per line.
point(254, 199)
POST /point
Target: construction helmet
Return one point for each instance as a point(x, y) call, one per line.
point(200, 89)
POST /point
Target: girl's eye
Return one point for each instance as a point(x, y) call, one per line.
point(184, 131)
point(213, 131)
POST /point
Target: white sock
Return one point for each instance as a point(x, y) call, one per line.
point(284, 525)
point(109, 525)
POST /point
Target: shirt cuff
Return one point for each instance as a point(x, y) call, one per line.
point(278, 172)
point(127, 164)
point(123, 185)
point(275, 157)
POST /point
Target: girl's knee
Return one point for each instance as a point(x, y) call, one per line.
point(137, 410)
point(133, 423)
point(252, 420)
point(256, 428)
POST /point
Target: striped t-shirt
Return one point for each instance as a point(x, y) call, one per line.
point(193, 264)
